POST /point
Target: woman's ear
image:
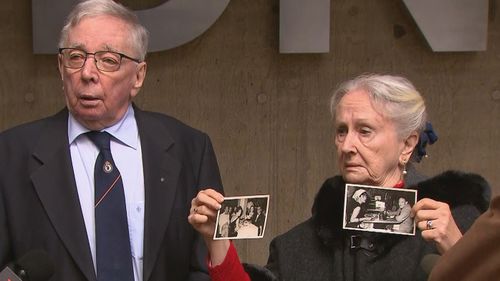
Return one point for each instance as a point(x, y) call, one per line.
point(408, 146)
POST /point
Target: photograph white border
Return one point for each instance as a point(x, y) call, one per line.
point(242, 202)
point(410, 195)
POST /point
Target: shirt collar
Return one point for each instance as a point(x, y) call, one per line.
point(124, 130)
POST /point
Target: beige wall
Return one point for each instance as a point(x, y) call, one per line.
point(267, 113)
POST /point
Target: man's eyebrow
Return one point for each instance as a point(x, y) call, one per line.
point(77, 46)
point(109, 48)
point(81, 46)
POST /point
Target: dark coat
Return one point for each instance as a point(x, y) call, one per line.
point(40, 209)
point(319, 249)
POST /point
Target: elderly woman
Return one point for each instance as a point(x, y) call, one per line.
point(378, 123)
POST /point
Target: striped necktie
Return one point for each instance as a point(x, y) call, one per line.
point(113, 255)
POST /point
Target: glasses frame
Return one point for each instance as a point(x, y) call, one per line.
point(95, 60)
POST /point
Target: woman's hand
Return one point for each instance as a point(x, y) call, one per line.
point(202, 217)
point(203, 212)
point(435, 221)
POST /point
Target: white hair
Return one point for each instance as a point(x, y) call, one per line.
point(395, 96)
point(92, 8)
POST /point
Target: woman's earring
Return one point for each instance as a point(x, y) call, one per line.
point(404, 168)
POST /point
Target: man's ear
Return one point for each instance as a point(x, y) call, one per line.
point(140, 75)
point(60, 65)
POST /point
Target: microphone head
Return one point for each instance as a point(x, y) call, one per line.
point(428, 262)
point(36, 266)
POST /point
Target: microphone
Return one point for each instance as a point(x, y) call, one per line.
point(428, 262)
point(36, 265)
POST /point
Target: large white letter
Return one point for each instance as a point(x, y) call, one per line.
point(452, 25)
point(304, 26)
point(170, 24)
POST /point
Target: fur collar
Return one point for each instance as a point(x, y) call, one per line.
point(453, 187)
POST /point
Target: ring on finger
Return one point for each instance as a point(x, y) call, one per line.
point(429, 224)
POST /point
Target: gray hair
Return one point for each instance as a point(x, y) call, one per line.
point(92, 8)
point(396, 97)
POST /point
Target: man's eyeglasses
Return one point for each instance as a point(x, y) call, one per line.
point(106, 61)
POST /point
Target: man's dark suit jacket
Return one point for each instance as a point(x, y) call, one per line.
point(40, 209)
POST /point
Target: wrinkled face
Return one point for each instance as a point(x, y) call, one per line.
point(368, 146)
point(100, 99)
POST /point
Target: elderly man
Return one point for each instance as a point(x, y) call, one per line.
point(102, 186)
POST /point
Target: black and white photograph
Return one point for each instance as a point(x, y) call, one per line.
point(379, 209)
point(242, 217)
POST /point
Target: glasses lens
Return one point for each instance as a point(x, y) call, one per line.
point(108, 61)
point(74, 58)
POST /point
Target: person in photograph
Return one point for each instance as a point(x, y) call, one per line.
point(356, 209)
point(224, 222)
point(380, 132)
point(250, 213)
point(234, 221)
point(260, 220)
point(403, 216)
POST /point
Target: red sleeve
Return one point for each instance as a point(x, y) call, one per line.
point(230, 269)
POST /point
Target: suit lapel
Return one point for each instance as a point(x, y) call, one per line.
point(161, 173)
point(55, 185)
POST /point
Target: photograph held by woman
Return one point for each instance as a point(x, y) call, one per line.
point(381, 130)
